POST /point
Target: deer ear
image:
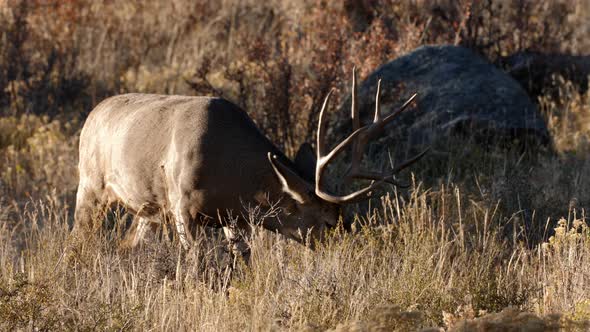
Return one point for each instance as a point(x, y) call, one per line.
point(305, 162)
point(292, 183)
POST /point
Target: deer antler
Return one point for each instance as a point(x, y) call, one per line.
point(359, 138)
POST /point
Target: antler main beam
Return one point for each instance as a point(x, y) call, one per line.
point(358, 139)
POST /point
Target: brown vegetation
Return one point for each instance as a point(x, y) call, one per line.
point(486, 239)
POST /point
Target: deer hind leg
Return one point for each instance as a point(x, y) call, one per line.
point(236, 232)
point(237, 245)
point(142, 228)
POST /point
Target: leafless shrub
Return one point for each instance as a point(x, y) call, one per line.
point(38, 72)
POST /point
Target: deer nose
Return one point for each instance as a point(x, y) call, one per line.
point(347, 226)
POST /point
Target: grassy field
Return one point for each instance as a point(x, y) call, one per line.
point(486, 238)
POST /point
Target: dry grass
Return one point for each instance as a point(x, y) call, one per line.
point(429, 259)
point(487, 239)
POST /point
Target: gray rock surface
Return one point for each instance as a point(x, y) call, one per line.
point(459, 93)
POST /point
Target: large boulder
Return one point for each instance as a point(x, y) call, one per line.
point(459, 93)
point(534, 71)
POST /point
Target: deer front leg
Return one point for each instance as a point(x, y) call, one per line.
point(236, 234)
point(182, 218)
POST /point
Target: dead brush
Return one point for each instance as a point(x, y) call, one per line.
point(274, 69)
point(38, 157)
point(566, 111)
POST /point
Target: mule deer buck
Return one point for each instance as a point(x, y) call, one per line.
point(191, 157)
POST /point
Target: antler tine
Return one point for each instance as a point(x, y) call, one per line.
point(358, 195)
point(374, 176)
point(359, 144)
point(377, 104)
point(320, 144)
point(356, 122)
point(366, 175)
point(393, 115)
point(409, 162)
